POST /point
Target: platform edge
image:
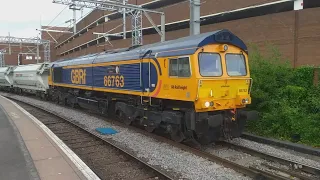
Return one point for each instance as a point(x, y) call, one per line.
point(82, 167)
point(27, 156)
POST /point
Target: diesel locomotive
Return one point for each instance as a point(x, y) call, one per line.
point(194, 88)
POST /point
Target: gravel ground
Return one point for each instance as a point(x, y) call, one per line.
point(238, 157)
point(157, 153)
point(275, 151)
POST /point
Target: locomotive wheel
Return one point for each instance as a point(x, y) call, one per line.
point(127, 120)
point(56, 99)
point(176, 134)
point(150, 128)
point(72, 104)
point(45, 97)
point(64, 101)
point(124, 118)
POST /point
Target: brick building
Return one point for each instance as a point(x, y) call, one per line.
point(295, 33)
point(11, 57)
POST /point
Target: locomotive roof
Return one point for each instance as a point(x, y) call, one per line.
point(178, 47)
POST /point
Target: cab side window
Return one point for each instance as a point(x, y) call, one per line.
point(57, 74)
point(173, 67)
point(179, 67)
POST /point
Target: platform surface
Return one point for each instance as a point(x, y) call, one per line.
point(13, 163)
point(28, 152)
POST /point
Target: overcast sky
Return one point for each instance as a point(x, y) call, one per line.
point(22, 17)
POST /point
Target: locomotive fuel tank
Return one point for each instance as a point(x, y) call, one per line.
point(31, 78)
point(6, 75)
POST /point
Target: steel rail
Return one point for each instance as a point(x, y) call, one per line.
point(289, 172)
point(109, 142)
point(285, 144)
point(290, 163)
point(254, 173)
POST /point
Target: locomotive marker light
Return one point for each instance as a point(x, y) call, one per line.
point(211, 103)
point(245, 101)
point(223, 48)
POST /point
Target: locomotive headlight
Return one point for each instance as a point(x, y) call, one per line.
point(223, 47)
point(207, 104)
point(245, 101)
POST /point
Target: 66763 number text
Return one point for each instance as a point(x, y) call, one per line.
point(114, 81)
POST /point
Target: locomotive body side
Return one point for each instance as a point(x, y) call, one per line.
point(123, 77)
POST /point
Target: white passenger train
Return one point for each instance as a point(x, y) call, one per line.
point(31, 78)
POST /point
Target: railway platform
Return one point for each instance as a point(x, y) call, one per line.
point(31, 151)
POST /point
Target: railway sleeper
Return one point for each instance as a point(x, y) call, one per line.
point(89, 150)
point(80, 141)
point(85, 144)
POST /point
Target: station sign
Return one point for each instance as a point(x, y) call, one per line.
point(298, 4)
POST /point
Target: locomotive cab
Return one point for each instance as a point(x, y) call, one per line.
point(223, 90)
point(223, 78)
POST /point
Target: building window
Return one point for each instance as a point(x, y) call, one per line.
point(28, 57)
point(179, 67)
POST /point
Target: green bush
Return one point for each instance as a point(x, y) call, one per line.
point(287, 100)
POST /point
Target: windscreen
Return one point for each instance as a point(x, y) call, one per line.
point(210, 64)
point(236, 65)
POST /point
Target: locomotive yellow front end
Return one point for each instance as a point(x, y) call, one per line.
point(223, 78)
point(224, 85)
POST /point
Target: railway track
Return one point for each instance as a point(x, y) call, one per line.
point(253, 172)
point(283, 144)
point(105, 158)
point(285, 168)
